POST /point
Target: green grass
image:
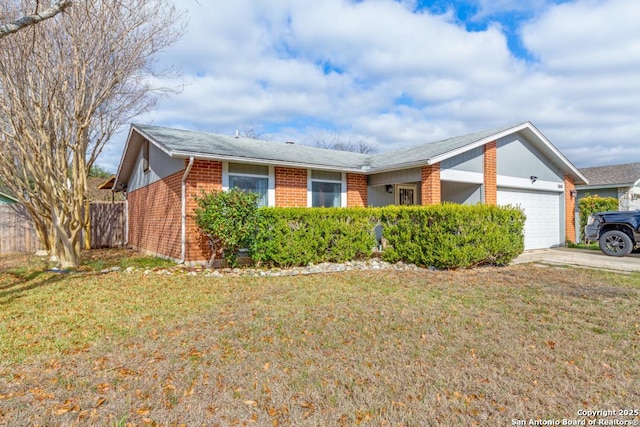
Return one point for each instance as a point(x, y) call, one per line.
point(98, 260)
point(590, 246)
point(477, 347)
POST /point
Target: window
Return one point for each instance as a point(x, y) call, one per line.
point(250, 178)
point(145, 156)
point(326, 189)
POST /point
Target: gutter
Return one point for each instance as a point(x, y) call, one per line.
point(183, 240)
point(267, 162)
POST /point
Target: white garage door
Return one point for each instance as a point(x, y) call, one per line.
point(542, 228)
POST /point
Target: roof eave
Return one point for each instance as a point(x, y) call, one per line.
point(479, 143)
point(575, 172)
point(595, 186)
point(125, 155)
point(268, 162)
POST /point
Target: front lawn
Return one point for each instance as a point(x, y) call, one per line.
point(478, 347)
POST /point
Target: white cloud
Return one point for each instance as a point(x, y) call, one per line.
point(379, 71)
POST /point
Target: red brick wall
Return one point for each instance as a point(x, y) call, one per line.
point(569, 209)
point(490, 174)
point(204, 175)
point(356, 190)
point(154, 217)
point(291, 187)
point(431, 184)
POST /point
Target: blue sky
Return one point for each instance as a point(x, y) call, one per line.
point(397, 73)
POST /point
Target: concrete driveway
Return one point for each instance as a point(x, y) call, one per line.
point(581, 258)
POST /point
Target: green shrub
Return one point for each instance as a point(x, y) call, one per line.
point(228, 219)
point(453, 236)
point(592, 204)
point(289, 237)
point(442, 236)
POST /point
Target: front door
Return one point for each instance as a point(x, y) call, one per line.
point(405, 195)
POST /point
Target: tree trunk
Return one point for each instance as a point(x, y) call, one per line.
point(87, 225)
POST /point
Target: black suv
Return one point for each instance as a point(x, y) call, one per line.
point(617, 233)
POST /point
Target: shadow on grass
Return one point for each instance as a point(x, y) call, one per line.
point(29, 282)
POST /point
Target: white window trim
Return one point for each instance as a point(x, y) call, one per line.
point(342, 182)
point(271, 181)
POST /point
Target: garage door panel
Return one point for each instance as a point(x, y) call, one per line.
point(542, 227)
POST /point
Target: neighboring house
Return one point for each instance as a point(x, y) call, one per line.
point(162, 169)
point(100, 190)
point(6, 199)
point(619, 181)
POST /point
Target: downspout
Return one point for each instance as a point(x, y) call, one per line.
point(126, 219)
point(183, 241)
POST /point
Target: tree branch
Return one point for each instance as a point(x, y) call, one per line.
point(26, 21)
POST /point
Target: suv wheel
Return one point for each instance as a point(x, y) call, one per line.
point(615, 243)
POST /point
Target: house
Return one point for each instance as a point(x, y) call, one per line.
point(619, 181)
point(162, 169)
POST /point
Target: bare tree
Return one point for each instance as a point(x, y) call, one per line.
point(250, 132)
point(66, 86)
point(338, 142)
point(55, 8)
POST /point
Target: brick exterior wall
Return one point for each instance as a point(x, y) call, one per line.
point(154, 217)
point(569, 209)
point(291, 187)
point(431, 185)
point(204, 175)
point(490, 174)
point(356, 190)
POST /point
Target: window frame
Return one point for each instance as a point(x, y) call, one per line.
point(271, 199)
point(342, 181)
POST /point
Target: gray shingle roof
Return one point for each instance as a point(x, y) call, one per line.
point(178, 142)
point(626, 174)
point(426, 152)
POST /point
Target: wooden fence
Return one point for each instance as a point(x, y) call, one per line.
point(17, 232)
point(108, 222)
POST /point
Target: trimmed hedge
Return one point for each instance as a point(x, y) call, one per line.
point(453, 236)
point(442, 236)
point(289, 237)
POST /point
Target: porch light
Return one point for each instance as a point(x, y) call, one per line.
point(389, 189)
point(573, 194)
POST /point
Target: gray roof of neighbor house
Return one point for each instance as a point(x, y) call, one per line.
point(180, 143)
point(625, 175)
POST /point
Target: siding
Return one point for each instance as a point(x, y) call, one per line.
point(160, 167)
point(516, 157)
point(469, 161)
point(395, 177)
point(461, 193)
